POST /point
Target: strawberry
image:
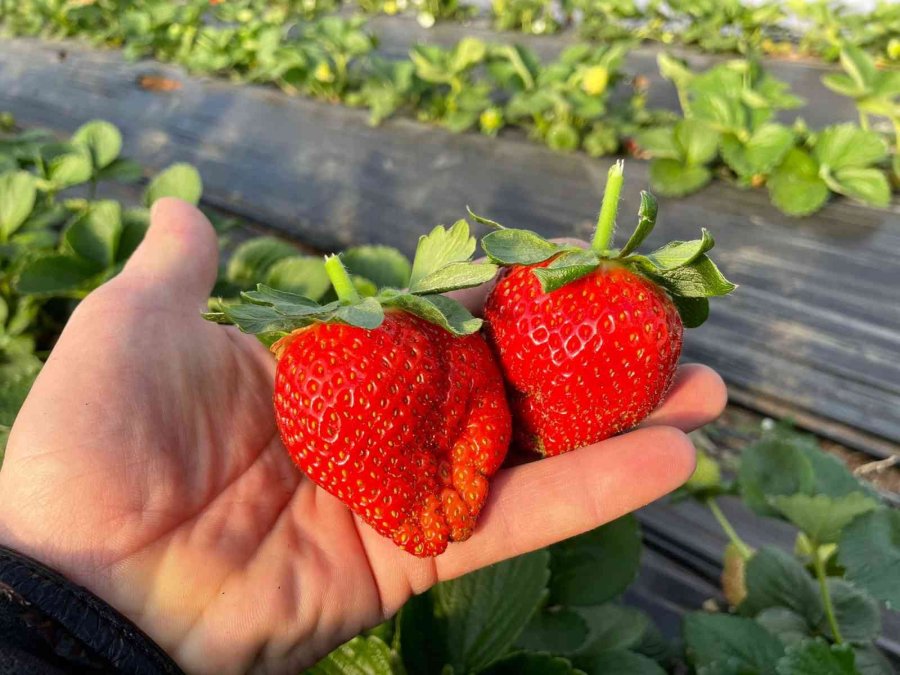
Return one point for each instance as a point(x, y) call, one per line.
point(589, 340)
point(392, 403)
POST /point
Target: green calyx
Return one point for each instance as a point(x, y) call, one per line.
point(682, 268)
point(442, 263)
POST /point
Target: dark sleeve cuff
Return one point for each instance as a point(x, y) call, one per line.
point(50, 625)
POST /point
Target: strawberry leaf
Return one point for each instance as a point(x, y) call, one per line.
point(17, 197)
point(678, 253)
point(699, 279)
point(816, 657)
point(697, 141)
point(360, 656)
point(820, 517)
point(870, 552)
point(485, 221)
point(646, 222)
point(693, 311)
point(365, 314)
point(384, 266)
point(179, 180)
point(438, 309)
point(101, 140)
point(761, 153)
point(454, 276)
point(518, 247)
point(673, 178)
point(441, 247)
point(846, 145)
point(659, 142)
point(795, 186)
point(869, 186)
point(301, 274)
point(569, 266)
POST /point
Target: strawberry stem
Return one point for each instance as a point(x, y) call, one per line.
point(341, 281)
point(606, 221)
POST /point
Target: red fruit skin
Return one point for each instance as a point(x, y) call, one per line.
point(586, 361)
point(405, 424)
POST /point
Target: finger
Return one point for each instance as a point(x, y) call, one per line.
point(537, 504)
point(179, 255)
point(697, 397)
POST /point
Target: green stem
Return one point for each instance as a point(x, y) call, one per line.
point(863, 120)
point(819, 565)
point(341, 281)
point(606, 221)
point(743, 549)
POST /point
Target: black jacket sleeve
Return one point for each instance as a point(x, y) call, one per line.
point(50, 625)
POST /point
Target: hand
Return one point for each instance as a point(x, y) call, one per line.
point(146, 466)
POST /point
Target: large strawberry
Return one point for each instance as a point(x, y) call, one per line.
point(392, 403)
point(589, 339)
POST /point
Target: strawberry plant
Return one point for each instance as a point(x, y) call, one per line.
point(589, 339)
point(560, 609)
point(537, 17)
point(875, 92)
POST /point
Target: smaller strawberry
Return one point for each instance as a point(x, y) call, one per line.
point(589, 339)
point(392, 403)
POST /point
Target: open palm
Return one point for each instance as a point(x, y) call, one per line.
point(146, 466)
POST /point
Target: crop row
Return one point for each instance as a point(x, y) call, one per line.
point(582, 100)
point(781, 27)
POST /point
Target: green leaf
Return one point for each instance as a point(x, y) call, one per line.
point(253, 259)
point(776, 579)
point(787, 625)
point(771, 467)
point(858, 65)
point(846, 145)
point(698, 279)
point(832, 477)
point(870, 552)
point(820, 517)
point(674, 69)
point(646, 222)
point(122, 170)
point(672, 178)
point(56, 274)
point(95, 235)
point(486, 610)
point(693, 311)
point(679, 253)
point(659, 142)
point(303, 275)
point(596, 566)
point(816, 657)
point(795, 186)
point(528, 663)
point(764, 150)
point(619, 662)
point(101, 140)
point(179, 180)
point(359, 656)
point(16, 379)
point(17, 195)
point(134, 226)
point(441, 247)
point(611, 627)
point(713, 638)
point(871, 661)
point(421, 636)
point(454, 276)
point(69, 169)
point(366, 314)
point(869, 186)
point(557, 630)
point(857, 613)
point(569, 266)
point(844, 85)
point(697, 141)
point(384, 266)
point(438, 309)
point(518, 247)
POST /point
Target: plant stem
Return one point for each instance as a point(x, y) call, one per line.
point(341, 281)
point(745, 551)
point(606, 221)
point(819, 565)
point(863, 120)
